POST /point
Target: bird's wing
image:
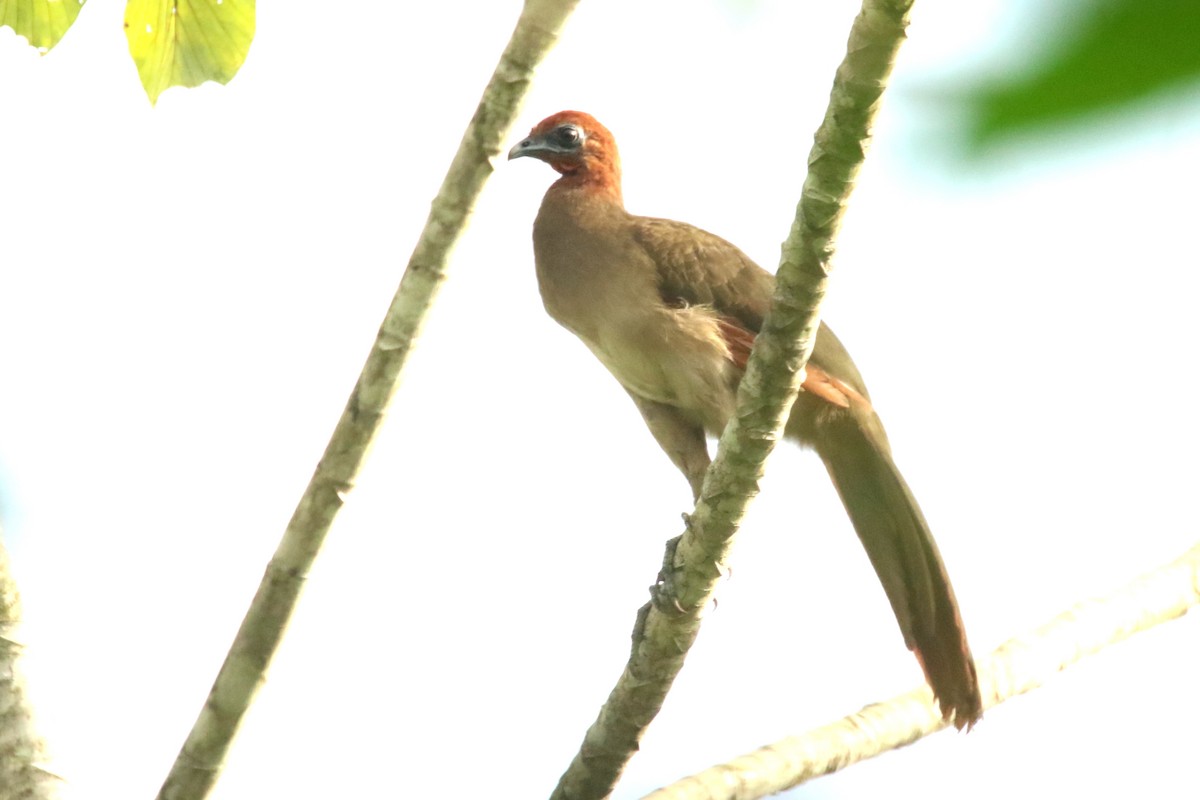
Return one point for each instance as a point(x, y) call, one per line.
point(697, 268)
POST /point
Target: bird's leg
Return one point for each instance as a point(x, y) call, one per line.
point(684, 443)
point(681, 439)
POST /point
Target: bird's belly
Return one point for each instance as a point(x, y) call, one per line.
point(681, 361)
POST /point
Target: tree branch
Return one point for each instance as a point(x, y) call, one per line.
point(1020, 665)
point(199, 761)
point(22, 751)
point(667, 627)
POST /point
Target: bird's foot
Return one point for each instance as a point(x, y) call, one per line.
point(662, 593)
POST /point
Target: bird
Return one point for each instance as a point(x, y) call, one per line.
point(672, 311)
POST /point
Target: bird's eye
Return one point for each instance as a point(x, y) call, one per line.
point(568, 135)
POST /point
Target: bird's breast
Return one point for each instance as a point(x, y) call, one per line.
point(597, 281)
point(671, 356)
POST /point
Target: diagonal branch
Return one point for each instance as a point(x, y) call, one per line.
point(667, 627)
point(1020, 665)
point(199, 761)
point(23, 775)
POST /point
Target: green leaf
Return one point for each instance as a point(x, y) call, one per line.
point(41, 22)
point(187, 42)
point(1109, 54)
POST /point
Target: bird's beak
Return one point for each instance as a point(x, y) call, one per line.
point(528, 147)
point(540, 147)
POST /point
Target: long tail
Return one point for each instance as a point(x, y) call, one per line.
point(901, 548)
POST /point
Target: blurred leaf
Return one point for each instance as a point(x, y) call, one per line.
point(1111, 53)
point(187, 42)
point(41, 22)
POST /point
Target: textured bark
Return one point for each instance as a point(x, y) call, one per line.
point(22, 752)
point(1020, 665)
point(199, 761)
point(668, 626)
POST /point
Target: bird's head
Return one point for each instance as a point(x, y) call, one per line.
point(576, 145)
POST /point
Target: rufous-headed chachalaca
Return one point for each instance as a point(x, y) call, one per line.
point(672, 311)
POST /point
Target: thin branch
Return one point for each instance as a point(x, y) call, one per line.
point(23, 775)
point(1018, 666)
point(199, 761)
point(668, 626)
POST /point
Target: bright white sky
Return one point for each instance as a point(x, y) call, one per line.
point(188, 293)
